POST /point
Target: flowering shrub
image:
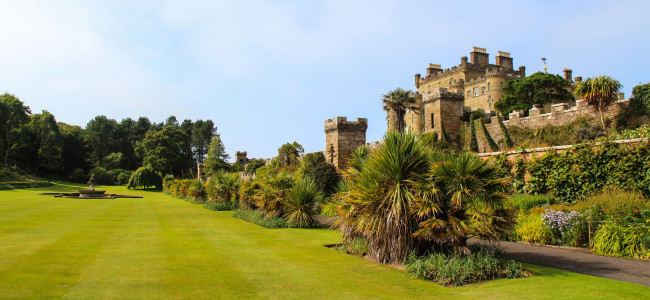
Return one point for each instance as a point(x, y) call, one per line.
point(563, 225)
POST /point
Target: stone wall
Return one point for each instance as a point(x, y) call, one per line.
point(560, 114)
point(342, 138)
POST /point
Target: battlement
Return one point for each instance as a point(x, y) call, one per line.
point(435, 66)
point(241, 153)
point(342, 124)
point(479, 49)
point(443, 93)
point(504, 54)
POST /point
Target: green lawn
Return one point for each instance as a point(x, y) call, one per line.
point(162, 247)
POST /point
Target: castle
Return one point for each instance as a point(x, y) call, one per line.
point(443, 96)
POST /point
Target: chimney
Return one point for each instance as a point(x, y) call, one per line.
point(479, 56)
point(433, 69)
point(504, 60)
point(567, 74)
point(417, 80)
point(522, 71)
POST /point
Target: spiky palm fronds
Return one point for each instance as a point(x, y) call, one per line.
point(301, 203)
point(599, 92)
point(273, 193)
point(399, 100)
point(378, 206)
point(470, 201)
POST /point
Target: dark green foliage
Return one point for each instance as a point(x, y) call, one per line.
point(574, 174)
point(112, 161)
point(217, 156)
point(261, 218)
point(507, 141)
point(288, 153)
point(14, 114)
point(473, 143)
point(493, 146)
point(253, 165)
point(302, 202)
point(640, 100)
point(10, 185)
point(589, 133)
point(315, 167)
point(537, 89)
point(161, 149)
point(144, 177)
point(78, 176)
point(219, 206)
point(121, 176)
point(454, 270)
point(101, 176)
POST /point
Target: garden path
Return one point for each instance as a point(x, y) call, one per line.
point(622, 269)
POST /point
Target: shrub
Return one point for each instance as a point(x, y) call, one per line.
point(329, 209)
point(628, 240)
point(356, 246)
point(526, 201)
point(301, 203)
point(219, 206)
point(564, 225)
point(4, 186)
point(101, 176)
point(78, 176)
point(613, 205)
point(455, 270)
point(260, 218)
point(531, 229)
point(144, 177)
point(197, 190)
point(120, 176)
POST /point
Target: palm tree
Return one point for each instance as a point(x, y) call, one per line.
point(301, 203)
point(599, 92)
point(272, 195)
point(378, 204)
point(465, 196)
point(398, 101)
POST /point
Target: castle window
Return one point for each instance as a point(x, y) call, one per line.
point(476, 91)
point(501, 84)
point(483, 91)
point(432, 121)
point(488, 86)
point(469, 94)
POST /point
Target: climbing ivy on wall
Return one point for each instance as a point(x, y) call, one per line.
point(572, 175)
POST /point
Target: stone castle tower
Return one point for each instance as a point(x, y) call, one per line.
point(342, 138)
point(442, 95)
point(241, 157)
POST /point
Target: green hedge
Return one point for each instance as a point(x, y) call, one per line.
point(23, 184)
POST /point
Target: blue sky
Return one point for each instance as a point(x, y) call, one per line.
point(270, 72)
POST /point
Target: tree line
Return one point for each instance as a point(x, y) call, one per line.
point(38, 144)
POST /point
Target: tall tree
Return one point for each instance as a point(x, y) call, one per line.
point(201, 136)
point(48, 142)
point(100, 136)
point(74, 152)
point(217, 155)
point(14, 114)
point(640, 100)
point(537, 89)
point(161, 149)
point(398, 101)
point(187, 149)
point(289, 153)
point(599, 92)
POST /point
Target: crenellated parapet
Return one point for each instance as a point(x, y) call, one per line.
point(342, 138)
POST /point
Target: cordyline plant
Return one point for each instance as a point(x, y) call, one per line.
point(599, 92)
point(406, 199)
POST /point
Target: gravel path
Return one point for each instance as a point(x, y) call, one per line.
point(631, 270)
